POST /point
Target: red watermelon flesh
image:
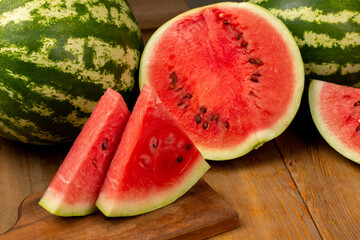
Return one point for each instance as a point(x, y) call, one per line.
point(335, 110)
point(154, 164)
point(231, 74)
point(76, 185)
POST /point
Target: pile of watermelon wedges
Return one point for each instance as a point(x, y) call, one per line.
point(215, 83)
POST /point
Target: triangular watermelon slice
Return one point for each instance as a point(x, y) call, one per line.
point(75, 187)
point(154, 164)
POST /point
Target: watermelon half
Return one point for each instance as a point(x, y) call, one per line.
point(335, 110)
point(230, 73)
point(76, 185)
point(154, 164)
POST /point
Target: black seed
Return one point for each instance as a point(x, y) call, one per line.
point(179, 89)
point(188, 95)
point(105, 144)
point(239, 36)
point(154, 145)
point(256, 74)
point(203, 109)
point(226, 22)
point(358, 128)
point(357, 104)
point(188, 147)
point(179, 159)
point(180, 103)
point(255, 61)
point(173, 76)
point(214, 117)
point(226, 124)
point(244, 44)
point(185, 106)
point(172, 86)
point(254, 79)
point(205, 125)
point(197, 118)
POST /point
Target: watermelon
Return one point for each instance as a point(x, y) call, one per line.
point(154, 164)
point(230, 73)
point(57, 59)
point(335, 110)
point(328, 34)
point(76, 185)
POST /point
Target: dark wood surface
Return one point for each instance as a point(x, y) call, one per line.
point(187, 218)
point(294, 187)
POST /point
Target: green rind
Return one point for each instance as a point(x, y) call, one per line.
point(74, 77)
point(332, 52)
point(55, 206)
point(324, 129)
point(257, 139)
point(132, 208)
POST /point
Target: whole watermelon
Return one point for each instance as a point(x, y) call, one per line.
point(328, 34)
point(56, 60)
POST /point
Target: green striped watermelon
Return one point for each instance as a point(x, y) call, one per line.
point(328, 34)
point(57, 59)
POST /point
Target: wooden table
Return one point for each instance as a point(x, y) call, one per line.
point(294, 187)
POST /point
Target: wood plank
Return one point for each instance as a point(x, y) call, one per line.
point(24, 169)
point(152, 14)
point(328, 182)
point(261, 190)
point(186, 218)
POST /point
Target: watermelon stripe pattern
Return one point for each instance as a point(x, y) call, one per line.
point(58, 58)
point(328, 34)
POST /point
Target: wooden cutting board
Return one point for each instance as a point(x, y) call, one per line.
point(199, 214)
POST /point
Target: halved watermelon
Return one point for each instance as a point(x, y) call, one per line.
point(230, 73)
point(335, 110)
point(74, 189)
point(154, 164)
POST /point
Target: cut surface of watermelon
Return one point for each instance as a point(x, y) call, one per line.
point(75, 187)
point(335, 110)
point(231, 74)
point(154, 164)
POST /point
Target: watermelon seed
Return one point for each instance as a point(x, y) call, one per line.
point(254, 79)
point(226, 22)
point(188, 95)
point(105, 144)
point(205, 125)
point(188, 147)
point(185, 106)
point(203, 109)
point(226, 124)
point(239, 36)
point(173, 77)
point(244, 44)
point(255, 61)
point(179, 89)
point(358, 128)
point(214, 117)
point(179, 159)
point(154, 145)
point(251, 93)
point(197, 118)
point(180, 103)
point(256, 74)
point(172, 86)
point(357, 103)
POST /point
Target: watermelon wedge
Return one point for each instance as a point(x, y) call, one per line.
point(230, 73)
point(154, 164)
point(74, 189)
point(335, 110)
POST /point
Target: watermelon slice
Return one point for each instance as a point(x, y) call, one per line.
point(231, 74)
point(154, 164)
point(335, 110)
point(76, 185)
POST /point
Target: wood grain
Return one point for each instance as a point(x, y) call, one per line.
point(328, 182)
point(261, 190)
point(186, 218)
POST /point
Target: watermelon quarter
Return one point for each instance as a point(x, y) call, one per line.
point(76, 185)
point(328, 34)
point(230, 73)
point(335, 110)
point(57, 59)
point(154, 164)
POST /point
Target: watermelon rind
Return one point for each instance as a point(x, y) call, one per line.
point(328, 35)
point(159, 200)
point(259, 138)
point(57, 59)
point(325, 130)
